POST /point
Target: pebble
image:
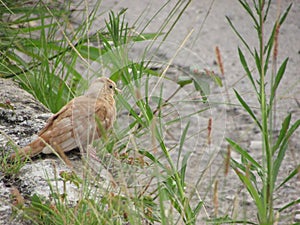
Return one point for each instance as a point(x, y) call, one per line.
point(255, 145)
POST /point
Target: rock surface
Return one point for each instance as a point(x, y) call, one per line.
point(21, 116)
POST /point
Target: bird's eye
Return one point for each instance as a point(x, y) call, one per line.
point(111, 86)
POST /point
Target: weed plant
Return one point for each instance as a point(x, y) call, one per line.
point(260, 176)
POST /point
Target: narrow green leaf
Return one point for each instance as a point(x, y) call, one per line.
point(131, 110)
point(248, 109)
point(247, 7)
point(278, 78)
point(278, 160)
point(90, 52)
point(283, 17)
point(267, 10)
point(151, 72)
point(236, 165)
point(257, 61)
point(293, 128)
point(253, 192)
point(183, 168)
point(37, 43)
point(183, 82)
point(244, 153)
point(145, 110)
point(148, 111)
point(294, 173)
point(239, 35)
point(289, 205)
point(226, 220)
point(246, 68)
point(182, 141)
point(197, 208)
point(283, 148)
point(162, 196)
point(145, 36)
point(36, 28)
point(217, 80)
point(269, 46)
point(152, 158)
point(284, 127)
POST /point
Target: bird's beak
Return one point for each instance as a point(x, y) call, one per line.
point(118, 90)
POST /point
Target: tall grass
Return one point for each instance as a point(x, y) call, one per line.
point(260, 176)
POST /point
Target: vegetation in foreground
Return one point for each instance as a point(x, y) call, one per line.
point(50, 72)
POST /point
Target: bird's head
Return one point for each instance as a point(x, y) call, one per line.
point(102, 87)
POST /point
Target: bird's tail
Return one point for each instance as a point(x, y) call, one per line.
point(29, 151)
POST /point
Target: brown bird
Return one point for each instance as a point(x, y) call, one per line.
point(83, 120)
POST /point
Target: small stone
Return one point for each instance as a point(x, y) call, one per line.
point(20, 118)
point(255, 145)
point(297, 217)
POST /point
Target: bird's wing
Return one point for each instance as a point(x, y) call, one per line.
point(64, 110)
point(71, 124)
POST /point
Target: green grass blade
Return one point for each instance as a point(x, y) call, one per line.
point(183, 168)
point(269, 46)
point(236, 165)
point(162, 196)
point(247, 7)
point(278, 160)
point(294, 173)
point(248, 109)
point(278, 78)
point(284, 127)
point(253, 192)
point(145, 36)
point(283, 148)
point(89, 52)
point(182, 141)
point(202, 86)
point(293, 128)
point(239, 35)
point(152, 158)
point(267, 10)
point(198, 208)
point(283, 17)
point(244, 153)
point(289, 205)
point(246, 68)
point(130, 109)
point(257, 62)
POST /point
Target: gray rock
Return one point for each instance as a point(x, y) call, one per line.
point(21, 116)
